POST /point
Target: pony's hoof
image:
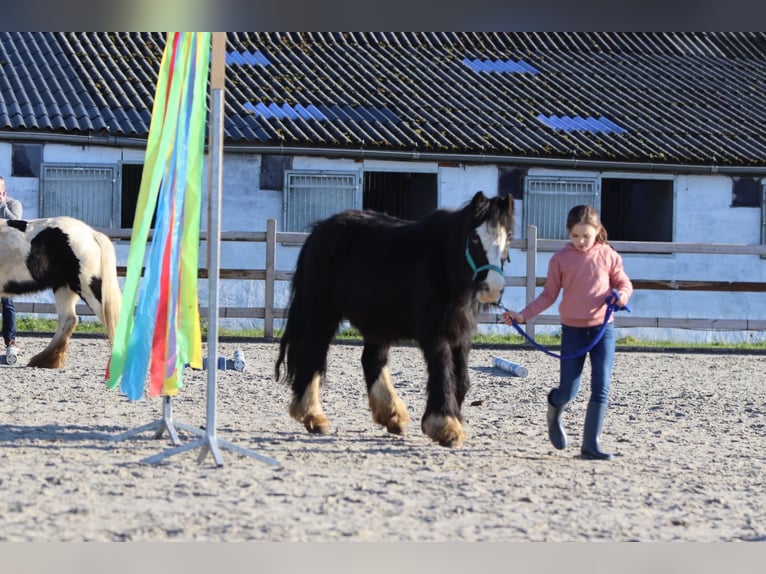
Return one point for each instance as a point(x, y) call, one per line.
point(397, 427)
point(395, 422)
point(46, 362)
point(447, 431)
point(388, 410)
point(452, 439)
point(317, 424)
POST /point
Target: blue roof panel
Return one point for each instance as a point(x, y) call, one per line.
point(247, 58)
point(321, 112)
point(500, 66)
point(577, 123)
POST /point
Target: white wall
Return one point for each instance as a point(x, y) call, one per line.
point(702, 214)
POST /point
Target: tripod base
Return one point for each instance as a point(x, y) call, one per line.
point(159, 426)
point(208, 443)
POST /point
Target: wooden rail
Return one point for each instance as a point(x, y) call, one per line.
point(531, 281)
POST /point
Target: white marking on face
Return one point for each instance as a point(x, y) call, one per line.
point(494, 241)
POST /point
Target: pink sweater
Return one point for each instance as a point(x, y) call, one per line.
point(587, 280)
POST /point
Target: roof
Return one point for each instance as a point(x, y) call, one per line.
point(690, 98)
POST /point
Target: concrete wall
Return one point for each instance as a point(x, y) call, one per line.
point(703, 213)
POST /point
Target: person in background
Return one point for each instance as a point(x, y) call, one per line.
point(9, 209)
point(587, 269)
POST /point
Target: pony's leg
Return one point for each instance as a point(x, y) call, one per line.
point(460, 368)
point(306, 408)
point(306, 404)
point(388, 409)
point(442, 420)
point(55, 354)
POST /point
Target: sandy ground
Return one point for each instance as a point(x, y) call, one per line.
point(688, 432)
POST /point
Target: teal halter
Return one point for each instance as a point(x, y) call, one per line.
point(477, 270)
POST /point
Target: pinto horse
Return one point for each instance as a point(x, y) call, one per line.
point(396, 280)
point(74, 260)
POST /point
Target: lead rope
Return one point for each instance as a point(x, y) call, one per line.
point(611, 308)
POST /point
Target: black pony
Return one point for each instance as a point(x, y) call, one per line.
point(396, 280)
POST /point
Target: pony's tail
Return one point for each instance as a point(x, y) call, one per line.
point(281, 357)
point(111, 296)
point(289, 344)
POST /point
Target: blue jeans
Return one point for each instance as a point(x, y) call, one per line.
point(574, 339)
point(9, 320)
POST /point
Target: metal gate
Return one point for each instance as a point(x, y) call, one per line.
point(86, 192)
point(547, 200)
point(310, 196)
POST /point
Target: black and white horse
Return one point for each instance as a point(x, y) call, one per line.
point(72, 259)
point(396, 280)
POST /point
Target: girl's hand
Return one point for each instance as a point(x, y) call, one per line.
point(510, 316)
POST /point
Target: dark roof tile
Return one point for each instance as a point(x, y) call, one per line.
point(677, 97)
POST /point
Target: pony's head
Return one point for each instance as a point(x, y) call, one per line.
point(489, 237)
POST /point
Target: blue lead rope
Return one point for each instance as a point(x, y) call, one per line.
point(610, 309)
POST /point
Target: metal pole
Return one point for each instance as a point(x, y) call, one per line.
point(214, 267)
point(159, 426)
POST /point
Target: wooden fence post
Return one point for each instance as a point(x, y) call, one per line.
point(531, 272)
point(271, 257)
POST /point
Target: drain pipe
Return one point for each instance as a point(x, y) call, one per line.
point(414, 155)
point(74, 139)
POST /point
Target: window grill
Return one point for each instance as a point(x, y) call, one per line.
point(86, 192)
point(311, 196)
point(547, 200)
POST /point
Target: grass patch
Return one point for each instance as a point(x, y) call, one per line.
point(39, 325)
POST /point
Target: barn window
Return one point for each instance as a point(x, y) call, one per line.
point(635, 209)
point(310, 196)
point(86, 192)
point(745, 192)
point(763, 216)
point(26, 160)
point(273, 168)
point(547, 200)
point(632, 209)
point(405, 195)
point(131, 186)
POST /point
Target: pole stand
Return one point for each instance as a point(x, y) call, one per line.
point(159, 426)
point(209, 443)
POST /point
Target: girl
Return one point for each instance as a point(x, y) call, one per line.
point(587, 269)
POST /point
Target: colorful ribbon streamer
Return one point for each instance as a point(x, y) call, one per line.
point(159, 327)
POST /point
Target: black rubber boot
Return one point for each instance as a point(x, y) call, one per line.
point(594, 420)
point(555, 429)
